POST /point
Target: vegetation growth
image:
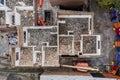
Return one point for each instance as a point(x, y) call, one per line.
point(105, 4)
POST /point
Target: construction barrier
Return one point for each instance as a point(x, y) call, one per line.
point(117, 43)
point(117, 24)
point(115, 19)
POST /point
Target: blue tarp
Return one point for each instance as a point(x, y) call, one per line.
point(114, 15)
point(117, 38)
point(118, 58)
point(115, 19)
point(2, 2)
point(118, 49)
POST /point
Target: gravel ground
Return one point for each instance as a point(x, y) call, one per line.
point(51, 57)
point(27, 56)
point(65, 45)
point(17, 76)
point(77, 46)
point(53, 40)
point(103, 26)
point(37, 36)
point(89, 44)
point(21, 76)
point(39, 58)
point(54, 29)
point(78, 26)
point(12, 3)
point(26, 18)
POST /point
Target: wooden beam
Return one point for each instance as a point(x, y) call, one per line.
point(20, 36)
point(5, 28)
point(12, 52)
point(81, 67)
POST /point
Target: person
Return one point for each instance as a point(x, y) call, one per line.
point(114, 15)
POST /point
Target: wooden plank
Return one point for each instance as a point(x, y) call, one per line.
point(20, 36)
point(5, 28)
point(81, 67)
point(12, 52)
point(69, 73)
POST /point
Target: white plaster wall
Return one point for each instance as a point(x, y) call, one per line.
point(9, 18)
point(17, 19)
point(71, 77)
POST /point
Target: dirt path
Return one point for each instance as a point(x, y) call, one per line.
point(103, 26)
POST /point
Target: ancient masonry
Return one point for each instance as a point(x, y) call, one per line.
point(66, 33)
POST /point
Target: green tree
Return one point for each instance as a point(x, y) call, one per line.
point(105, 4)
point(118, 4)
